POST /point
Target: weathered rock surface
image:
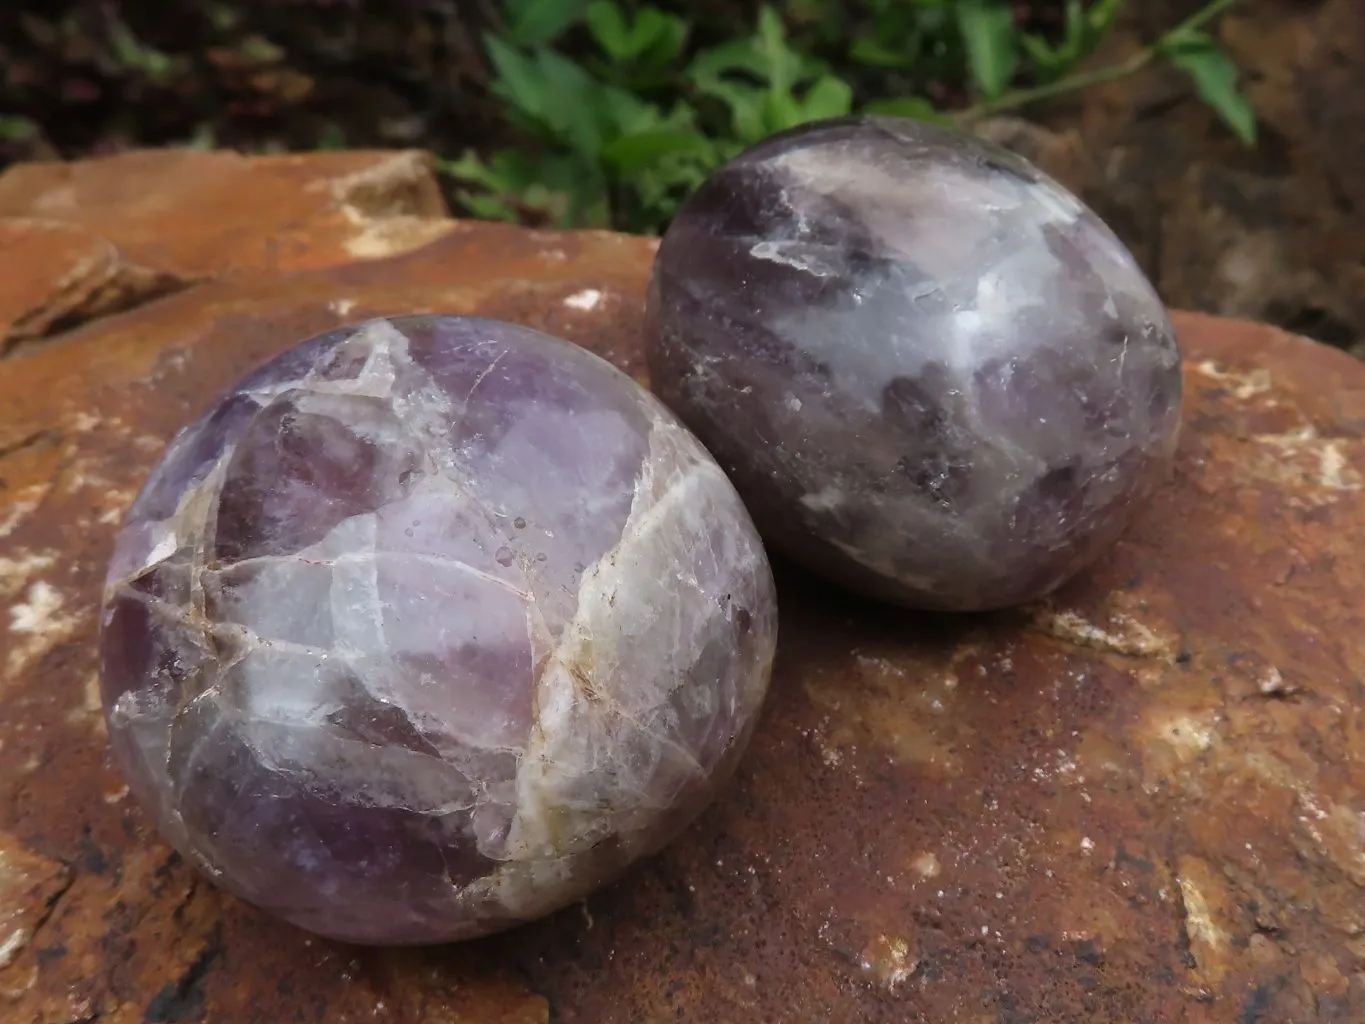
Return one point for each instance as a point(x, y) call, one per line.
point(1139, 802)
point(260, 214)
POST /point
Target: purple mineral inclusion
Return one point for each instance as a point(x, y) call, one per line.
point(933, 374)
point(429, 627)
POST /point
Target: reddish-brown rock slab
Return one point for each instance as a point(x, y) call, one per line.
point(54, 274)
point(1139, 802)
point(79, 240)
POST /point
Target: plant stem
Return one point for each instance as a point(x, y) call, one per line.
point(1085, 79)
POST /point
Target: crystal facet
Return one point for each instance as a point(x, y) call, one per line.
point(932, 373)
point(431, 626)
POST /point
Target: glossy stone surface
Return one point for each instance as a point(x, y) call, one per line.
point(932, 373)
point(429, 627)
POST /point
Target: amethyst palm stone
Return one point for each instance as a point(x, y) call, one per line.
point(429, 627)
point(933, 374)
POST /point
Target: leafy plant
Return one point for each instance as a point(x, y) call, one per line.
point(625, 107)
point(1215, 78)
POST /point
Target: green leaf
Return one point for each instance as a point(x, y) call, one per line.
point(1076, 27)
point(874, 53)
point(517, 78)
point(498, 183)
point(133, 53)
point(747, 106)
point(1215, 79)
point(537, 22)
point(17, 129)
point(667, 38)
point(914, 107)
point(987, 28)
point(736, 55)
point(1049, 64)
point(1102, 16)
point(828, 97)
point(781, 111)
point(781, 66)
point(608, 26)
point(576, 106)
point(632, 153)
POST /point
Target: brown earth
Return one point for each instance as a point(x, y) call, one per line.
point(1275, 233)
point(1138, 802)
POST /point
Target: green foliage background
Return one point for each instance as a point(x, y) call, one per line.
point(576, 113)
point(622, 111)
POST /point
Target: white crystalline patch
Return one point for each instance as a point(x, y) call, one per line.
point(585, 300)
point(470, 633)
point(372, 775)
point(1129, 637)
point(388, 347)
point(37, 614)
point(1008, 286)
point(887, 958)
point(1332, 469)
point(1306, 457)
point(17, 512)
point(637, 631)
point(40, 624)
point(83, 422)
point(17, 571)
point(279, 598)
point(793, 254)
point(11, 946)
point(1060, 205)
point(978, 330)
point(824, 500)
point(165, 546)
point(357, 614)
point(253, 684)
point(1242, 385)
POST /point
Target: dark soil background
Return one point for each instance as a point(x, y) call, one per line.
point(1276, 233)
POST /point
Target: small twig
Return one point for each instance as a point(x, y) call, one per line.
point(1085, 79)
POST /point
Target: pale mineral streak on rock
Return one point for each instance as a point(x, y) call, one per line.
point(89, 710)
point(16, 513)
point(17, 569)
point(1242, 384)
point(459, 585)
point(887, 959)
point(38, 622)
point(1208, 907)
point(71, 275)
point(908, 712)
point(586, 300)
point(1123, 634)
point(395, 206)
point(1179, 744)
point(1305, 458)
point(29, 886)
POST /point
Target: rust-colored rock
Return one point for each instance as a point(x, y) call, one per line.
point(197, 214)
point(1139, 802)
point(59, 275)
point(83, 240)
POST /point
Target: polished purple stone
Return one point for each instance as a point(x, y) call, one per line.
point(430, 627)
point(933, 374)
